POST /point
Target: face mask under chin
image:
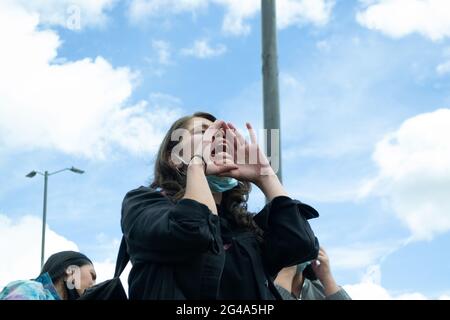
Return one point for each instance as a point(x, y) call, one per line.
point(221, 184)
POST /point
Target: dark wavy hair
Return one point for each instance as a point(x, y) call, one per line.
point(173, 181)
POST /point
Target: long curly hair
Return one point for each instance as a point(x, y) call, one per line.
point(173, 181)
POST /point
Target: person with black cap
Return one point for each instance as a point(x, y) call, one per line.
point(64, 276)
point(311, 280)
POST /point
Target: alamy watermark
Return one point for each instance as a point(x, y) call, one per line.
point(73, 21)
point(75, 282)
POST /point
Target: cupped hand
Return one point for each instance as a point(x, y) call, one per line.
point(205, 145)
point(252, 164)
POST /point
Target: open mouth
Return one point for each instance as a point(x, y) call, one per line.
point(220, 146)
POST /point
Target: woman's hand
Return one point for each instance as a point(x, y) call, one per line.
point(321, 266)
point(252, 164)
point(204, 145)
point(322, 270)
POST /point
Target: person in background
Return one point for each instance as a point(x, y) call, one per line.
point(310, 281)
point(64, 276)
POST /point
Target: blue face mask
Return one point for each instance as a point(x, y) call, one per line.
point(221, 184)
point(302, 266)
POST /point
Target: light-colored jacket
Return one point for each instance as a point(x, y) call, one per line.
point(41, 288)
point(313, 290)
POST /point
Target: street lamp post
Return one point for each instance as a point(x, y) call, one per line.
point(44, 218)
point(44, 214)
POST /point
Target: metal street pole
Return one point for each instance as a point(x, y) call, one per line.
point(32, 174)
point(271, 99)
point(44, 218)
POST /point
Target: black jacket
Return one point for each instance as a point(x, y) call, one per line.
point(182, 251)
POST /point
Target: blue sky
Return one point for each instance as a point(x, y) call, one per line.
point(365, 120)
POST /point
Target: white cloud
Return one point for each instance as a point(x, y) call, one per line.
point(443, 68)
point(360, 255)
point(202, 49)
point(237, 12)
point(373, 291)
point(71, 14)
point(77, 107)
point(411, 296)
point(289, 13)
point(367, 291)
point(20, 248)
point(323, 46)
point(304, 11)
point(141, 9)
point(163, 51)
point(414, 173)
point(370, 288)
point(399, 18)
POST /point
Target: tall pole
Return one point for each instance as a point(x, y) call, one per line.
point(32, 174)
point(44, 218)
point(271, 99)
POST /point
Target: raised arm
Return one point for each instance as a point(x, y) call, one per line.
point(288, 237)
point(201, 163)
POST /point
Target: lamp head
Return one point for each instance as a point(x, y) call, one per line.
point(31, 174)
point(79, 171)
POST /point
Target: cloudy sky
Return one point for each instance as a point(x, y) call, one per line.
point(365, 122)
